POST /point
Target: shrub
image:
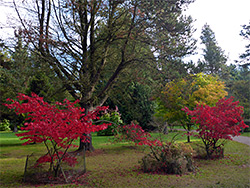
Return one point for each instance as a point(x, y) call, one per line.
point(169, 158)
point(247, 122)
point(166, 158)
point(57, 126)
point(114, 118)
point(201, 153)
point(217, 124)
point(5, 125)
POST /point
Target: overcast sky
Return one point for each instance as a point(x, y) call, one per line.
point(225, 18)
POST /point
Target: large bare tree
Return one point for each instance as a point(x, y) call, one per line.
point(89, 43)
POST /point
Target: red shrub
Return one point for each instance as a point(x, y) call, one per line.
point(217, 123)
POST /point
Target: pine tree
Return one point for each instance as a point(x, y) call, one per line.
point(245, 33)
point(214, 58)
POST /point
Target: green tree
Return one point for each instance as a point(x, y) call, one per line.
point(77, 39)
point(245, 33)
point(214, 58)
point(238, 86)
point(42, 85)
point(134, 104)
point(188, 92)
point(22, 73)
point(15, 73)
point(195, 68)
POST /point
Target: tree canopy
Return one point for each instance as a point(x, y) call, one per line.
point(188, 92)
point(89, 43)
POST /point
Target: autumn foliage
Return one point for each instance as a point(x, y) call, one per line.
point(57, 126)
point(188, 92)
point(136, 134)
point(164, 157)
point(220, 122)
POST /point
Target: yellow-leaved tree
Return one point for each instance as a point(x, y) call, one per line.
point(188, 92)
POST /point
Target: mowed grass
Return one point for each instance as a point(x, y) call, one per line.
point(117, 165)
point(245, 134)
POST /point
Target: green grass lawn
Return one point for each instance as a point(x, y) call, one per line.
point(117, 165)
point(245, 134)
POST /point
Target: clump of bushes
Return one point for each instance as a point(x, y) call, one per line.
point(5, 125)
point(112, 117)
point(201, 151)
point(169, 158)
point(164, 157)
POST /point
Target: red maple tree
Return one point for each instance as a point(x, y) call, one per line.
point(220, 122)
point(57, 126)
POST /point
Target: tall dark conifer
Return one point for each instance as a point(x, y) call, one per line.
point(214, 58)
point(245, 33)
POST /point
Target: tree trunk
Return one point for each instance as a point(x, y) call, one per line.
point(188, 137)
point(165, 128)
point(188, 132)
point(15, 130)
point(209, 154)
point(87, 143)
